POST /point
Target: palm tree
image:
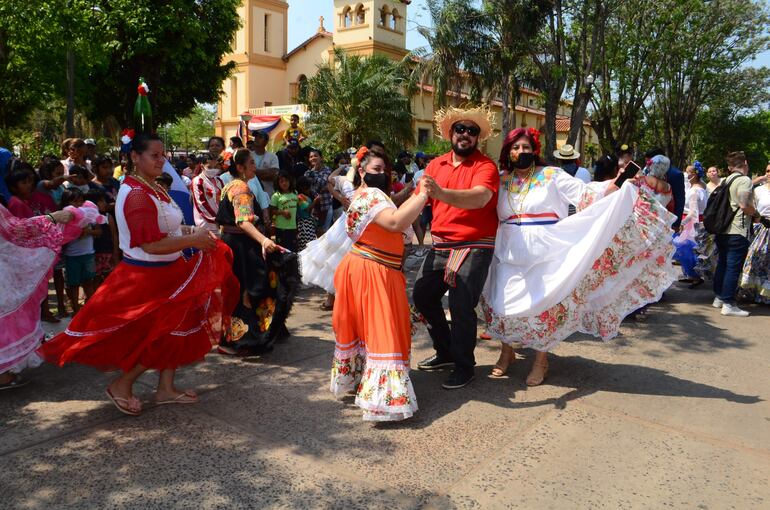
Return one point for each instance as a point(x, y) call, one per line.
point(480, 50)
point(353, 99)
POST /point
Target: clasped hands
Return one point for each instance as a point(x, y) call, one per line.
point(431, 188)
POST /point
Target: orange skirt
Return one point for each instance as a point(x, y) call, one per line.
point(373, 339)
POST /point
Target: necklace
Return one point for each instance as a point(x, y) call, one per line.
point(160, 194)
point(523, 192)
point(158, 191)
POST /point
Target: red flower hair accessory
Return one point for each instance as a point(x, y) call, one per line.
point(534, 135)
point(126, 137)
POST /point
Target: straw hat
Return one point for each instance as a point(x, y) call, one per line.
point(482, 116)
point(566, 152)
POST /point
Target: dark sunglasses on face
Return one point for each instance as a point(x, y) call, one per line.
point(461, 129)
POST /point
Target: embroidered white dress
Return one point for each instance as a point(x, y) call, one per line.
point(319, 260)
point(554, 275)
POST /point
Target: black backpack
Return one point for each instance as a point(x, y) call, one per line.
point(718, 214)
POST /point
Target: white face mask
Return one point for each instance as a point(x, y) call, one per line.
point(84, 188)
point(211, 172)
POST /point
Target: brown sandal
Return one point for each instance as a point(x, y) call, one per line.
point(507, 356)
point(535, 380)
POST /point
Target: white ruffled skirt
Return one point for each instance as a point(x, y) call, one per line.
point(319, 260)
point(585, 273)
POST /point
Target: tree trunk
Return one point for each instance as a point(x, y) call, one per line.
point(505, 99)
point(69, 126)
point(551, 107)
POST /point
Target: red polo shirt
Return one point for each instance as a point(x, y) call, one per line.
point(452, 223)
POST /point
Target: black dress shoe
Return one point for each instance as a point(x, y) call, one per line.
point(458, 380)
point(435, 363)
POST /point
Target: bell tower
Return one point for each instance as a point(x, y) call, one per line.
point(368, 27)
point(259, 78)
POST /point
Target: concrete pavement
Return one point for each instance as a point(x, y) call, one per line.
point(672, 414)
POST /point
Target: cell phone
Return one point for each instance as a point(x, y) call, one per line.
point(631, 170)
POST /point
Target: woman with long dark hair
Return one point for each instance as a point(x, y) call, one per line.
point(267, 277)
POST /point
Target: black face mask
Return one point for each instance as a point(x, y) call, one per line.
point(526, 159)
point(379, 181)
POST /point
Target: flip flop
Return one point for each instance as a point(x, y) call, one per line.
point(186, 397)
point(121, 404)
point(17, 382)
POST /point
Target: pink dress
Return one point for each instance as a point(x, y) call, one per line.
point(28, 249)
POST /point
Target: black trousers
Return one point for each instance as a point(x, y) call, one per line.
point(458, 343)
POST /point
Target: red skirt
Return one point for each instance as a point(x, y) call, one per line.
point(160, 316)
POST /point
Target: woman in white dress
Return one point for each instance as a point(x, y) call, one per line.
point(692, 243)
point(319, 260)
point(553, 275)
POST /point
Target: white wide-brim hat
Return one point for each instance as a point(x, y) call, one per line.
point(566, 152)
point(482, 116)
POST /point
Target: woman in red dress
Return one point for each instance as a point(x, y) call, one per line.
point(158, 310)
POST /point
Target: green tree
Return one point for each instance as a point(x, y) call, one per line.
point(632, 50)
point(705, 67)
point(32, 57)
point(186, 133)
point(719, 131)
point(480, 50)
point(352, 99)
point(176, 45)
point(439, 64)
point(586, 26)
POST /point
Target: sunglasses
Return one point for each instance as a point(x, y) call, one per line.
point(461, 129)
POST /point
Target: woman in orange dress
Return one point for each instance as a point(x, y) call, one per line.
point(371, 313)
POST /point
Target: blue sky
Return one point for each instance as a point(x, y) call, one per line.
point(303, 22)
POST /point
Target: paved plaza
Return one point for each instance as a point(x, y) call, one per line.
point(674, 413)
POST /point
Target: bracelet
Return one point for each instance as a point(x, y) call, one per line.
point(50, 217)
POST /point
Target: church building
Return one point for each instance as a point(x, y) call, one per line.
point(263, 90)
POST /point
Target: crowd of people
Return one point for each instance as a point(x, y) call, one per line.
point(541, 250)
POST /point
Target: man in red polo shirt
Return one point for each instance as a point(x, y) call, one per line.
point(463, 186)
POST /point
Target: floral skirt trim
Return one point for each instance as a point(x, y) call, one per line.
point(634, 270)
point(755, 279)
point(706, 251)
point(347, 367)
point(383, 389)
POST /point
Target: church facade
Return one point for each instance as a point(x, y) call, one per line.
point(263, 90)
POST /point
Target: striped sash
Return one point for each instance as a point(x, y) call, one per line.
point(524, 220)
point(390, 260)
point(458, 252)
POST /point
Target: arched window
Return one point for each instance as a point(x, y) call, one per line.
point(302, 87)
point(394, 19)
point(360, 15)
point(384, 16)
point(347, 17)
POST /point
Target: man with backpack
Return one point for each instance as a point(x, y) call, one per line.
point(728, 216)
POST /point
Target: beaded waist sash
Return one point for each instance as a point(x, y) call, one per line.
point(458, 252)
point(391, 260)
